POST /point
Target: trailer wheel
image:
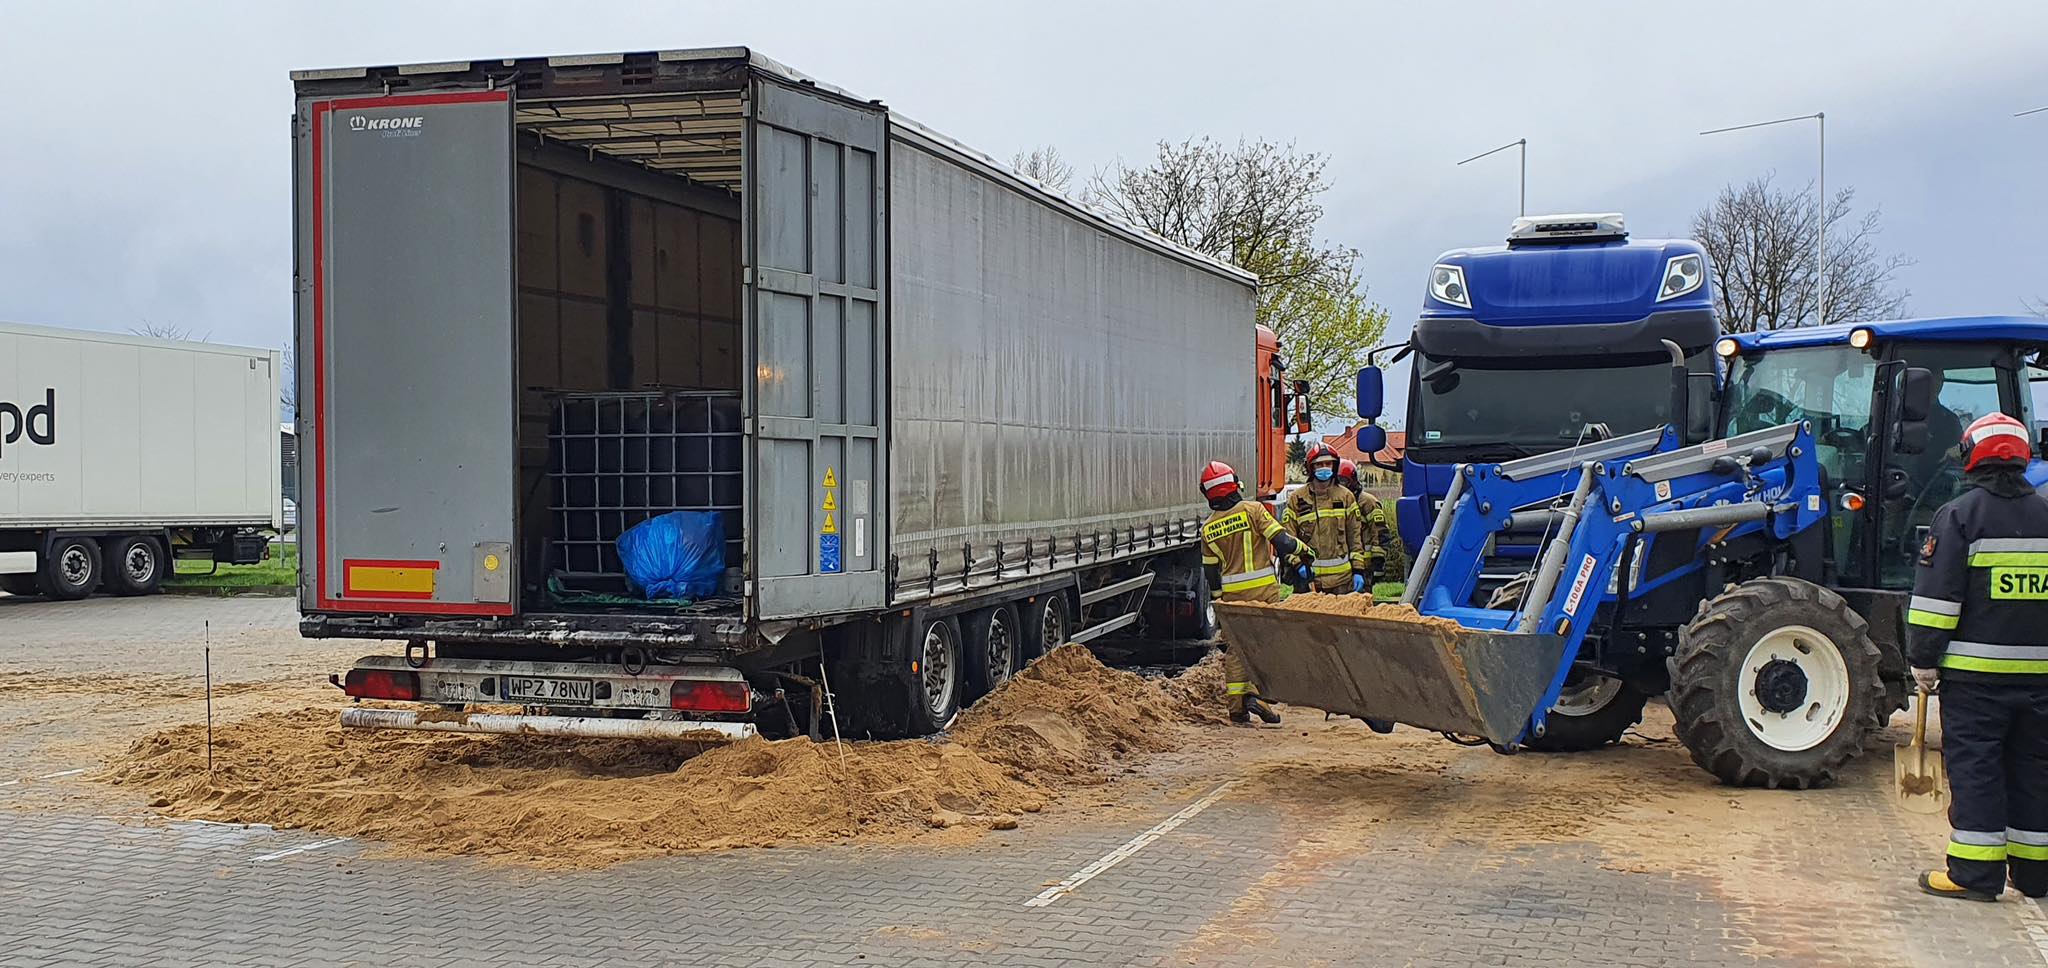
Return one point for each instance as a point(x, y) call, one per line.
point(135, 566)
point(71, 570)
point(1592, 711)
point(1046, 626)
point(935, 661)
point(991, 649)
point(1776, 683)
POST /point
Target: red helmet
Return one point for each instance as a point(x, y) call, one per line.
point(1218, 480)
point(1995, 437)
point(1347, 473)
point(1317, 453)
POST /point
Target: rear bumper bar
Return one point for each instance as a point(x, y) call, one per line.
point(579, 726)
point(709, 633)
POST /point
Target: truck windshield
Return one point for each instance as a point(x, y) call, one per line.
point(1471, 408)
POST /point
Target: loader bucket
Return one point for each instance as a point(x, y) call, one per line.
point(1478, 683)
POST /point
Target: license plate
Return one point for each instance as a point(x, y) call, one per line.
point(547, 690)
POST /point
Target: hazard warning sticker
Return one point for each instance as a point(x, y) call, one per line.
point(1578, 592)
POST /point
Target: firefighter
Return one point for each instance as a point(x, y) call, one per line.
point(1238, 544)
point(1978, 630)
point(1324, 516)
point(1386, 557)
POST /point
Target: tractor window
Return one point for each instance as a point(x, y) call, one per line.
point(1968, 385)
point(1831, 386)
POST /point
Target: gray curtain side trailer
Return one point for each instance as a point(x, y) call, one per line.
point(947, 417)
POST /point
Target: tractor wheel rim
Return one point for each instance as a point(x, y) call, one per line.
point(1588, 696)
point(1794, 688)
point(140, 564)
point(75, 566)
point(1052, 627)
point(1000, 650)
point(938, 669)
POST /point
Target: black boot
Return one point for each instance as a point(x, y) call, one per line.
point(1258, 707)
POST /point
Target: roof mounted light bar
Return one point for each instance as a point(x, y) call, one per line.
point(1567, 229)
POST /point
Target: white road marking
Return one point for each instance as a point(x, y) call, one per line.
point(1130, 847)
point(2036, 921)
point(300, 849)
point(46, 776)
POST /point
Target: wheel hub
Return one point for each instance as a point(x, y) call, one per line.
point(76, 566)
point(141, 564)
point(1781, 686)
point(938, 669)
point(999, 650)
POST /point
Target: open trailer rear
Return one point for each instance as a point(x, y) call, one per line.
point(946, 417)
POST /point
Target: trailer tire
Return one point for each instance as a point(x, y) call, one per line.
point(1776, 683)
point(935, 665)
point(1047, 624)
point(71, 568)
point(135, 566)
point(991, 649)
point(1593, 711)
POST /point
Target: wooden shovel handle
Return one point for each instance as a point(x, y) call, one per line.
point(1920, 734)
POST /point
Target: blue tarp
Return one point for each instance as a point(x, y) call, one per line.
point(680, 554)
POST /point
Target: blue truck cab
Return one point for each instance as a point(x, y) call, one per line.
point(1556, 339)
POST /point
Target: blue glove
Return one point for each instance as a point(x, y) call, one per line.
point(1303, 572)
point(1357, 583)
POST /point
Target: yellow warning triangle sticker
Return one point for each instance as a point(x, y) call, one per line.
point(830, 527)
point(831, 500)
point(831, 480)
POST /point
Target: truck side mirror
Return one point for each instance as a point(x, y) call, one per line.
point(1916, 401)
point(1303, 420)
point(2041, 440)
point(1372, 438)
point(1372, 392)
point(1699, 403)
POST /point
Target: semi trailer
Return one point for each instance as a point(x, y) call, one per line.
point(120, 454)
point(947, 418)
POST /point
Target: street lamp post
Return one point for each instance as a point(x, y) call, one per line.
point(2028, 111)
point(1820, 254)
point(1524, 145)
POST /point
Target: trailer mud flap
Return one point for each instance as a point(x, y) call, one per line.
point(1421, 674)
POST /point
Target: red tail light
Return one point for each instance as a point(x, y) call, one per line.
point(709, 696)
point(381, 684)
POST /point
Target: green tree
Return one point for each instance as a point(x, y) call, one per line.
point(1257, 205)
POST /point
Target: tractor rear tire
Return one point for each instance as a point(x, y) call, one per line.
point(1593, 711)
point(1776, 684)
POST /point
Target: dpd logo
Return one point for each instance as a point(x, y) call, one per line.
point(38, 423)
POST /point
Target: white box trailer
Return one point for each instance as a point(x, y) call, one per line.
point(948, 417)
point(120, 453)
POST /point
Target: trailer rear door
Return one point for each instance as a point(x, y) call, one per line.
point(818, 348)
point(407, 325)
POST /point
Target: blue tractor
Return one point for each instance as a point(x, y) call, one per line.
point(1757, 579)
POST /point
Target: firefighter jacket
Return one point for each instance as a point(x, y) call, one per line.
point(1329, 523)
point(1980, 596)
point(1377, 527)
point(1238, 542)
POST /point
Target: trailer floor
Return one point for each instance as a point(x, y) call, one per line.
point(1310, 844)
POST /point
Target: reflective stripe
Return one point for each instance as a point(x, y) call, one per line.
point(1249, 579)
point(1982, 545)
point(1987, 650)
point(1969, 663)
point(2027, 852)
point(1973, 852)
point(1997, 430)
point(1331, 566)
point(1332, 513)
point(1939, 606)
point(1237, 688)
point(1931, 620)
point(1978, 838)
point(2032, 838)
point(1987, 559)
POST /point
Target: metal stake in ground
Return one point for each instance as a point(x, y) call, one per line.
point(209, 697)
point(831, 708)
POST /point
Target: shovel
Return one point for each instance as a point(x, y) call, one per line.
point(1922, 780)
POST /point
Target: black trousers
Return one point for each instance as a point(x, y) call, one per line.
point(1995, 743)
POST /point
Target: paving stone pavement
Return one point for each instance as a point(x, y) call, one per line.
point(1250, 881)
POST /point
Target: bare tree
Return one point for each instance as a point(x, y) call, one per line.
point(288, 386)
point(1257, 205)
point(1045, 166)
point(1761, 240)
point(175, 331)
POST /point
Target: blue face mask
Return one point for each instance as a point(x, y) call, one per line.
point(1326, 474)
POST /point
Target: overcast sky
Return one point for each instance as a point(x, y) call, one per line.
point(144, 165)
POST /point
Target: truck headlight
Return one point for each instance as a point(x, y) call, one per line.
point(1682, 274)
point(1447, 284)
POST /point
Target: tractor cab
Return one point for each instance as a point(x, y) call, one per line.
point(1848, 380)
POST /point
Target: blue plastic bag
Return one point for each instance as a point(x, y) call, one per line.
point(680, 554)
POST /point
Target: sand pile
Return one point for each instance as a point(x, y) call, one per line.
point(591, 802)
point(1364, 607)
